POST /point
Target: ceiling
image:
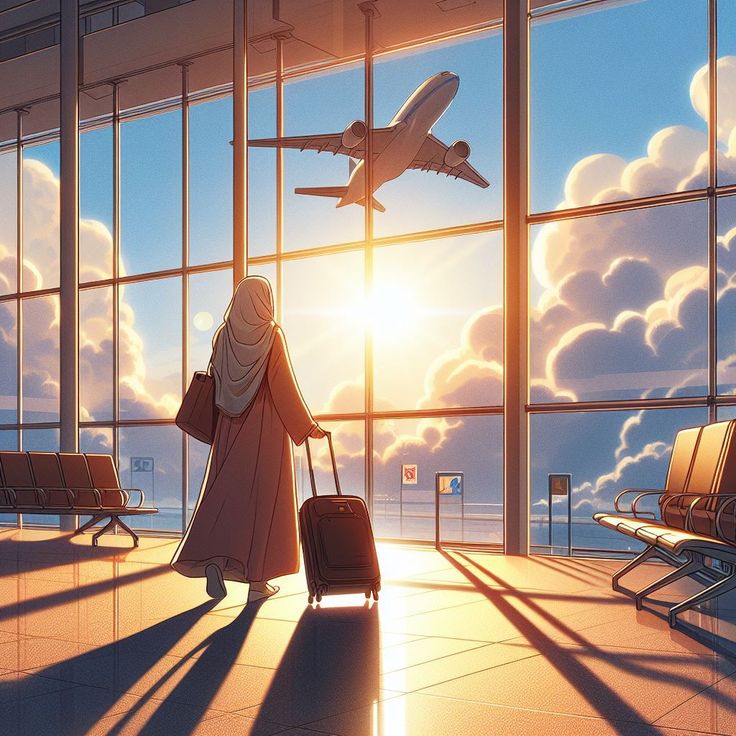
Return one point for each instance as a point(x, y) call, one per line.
point(140, 52)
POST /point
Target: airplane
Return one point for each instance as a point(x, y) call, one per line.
point(407, 143)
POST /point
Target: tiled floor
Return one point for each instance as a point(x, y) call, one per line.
point(110, 641)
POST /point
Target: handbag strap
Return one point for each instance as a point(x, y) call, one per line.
point(334, 465)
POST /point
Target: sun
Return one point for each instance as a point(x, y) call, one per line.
point(389, 311)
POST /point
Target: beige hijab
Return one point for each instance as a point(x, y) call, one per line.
point(242, 344)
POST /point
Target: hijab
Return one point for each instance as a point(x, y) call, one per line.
point(242, 344)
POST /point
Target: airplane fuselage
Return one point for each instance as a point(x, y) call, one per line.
point(414, 120)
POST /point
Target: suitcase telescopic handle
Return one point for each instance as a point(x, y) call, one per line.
point(334, 465)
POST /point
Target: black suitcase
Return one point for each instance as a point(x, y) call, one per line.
point(337, 541)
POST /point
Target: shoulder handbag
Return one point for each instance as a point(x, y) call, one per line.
point(197, 415)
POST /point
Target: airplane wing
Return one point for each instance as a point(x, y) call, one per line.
point(329, 143)
point(431, 157)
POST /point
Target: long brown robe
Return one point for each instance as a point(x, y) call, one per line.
point(245, 519)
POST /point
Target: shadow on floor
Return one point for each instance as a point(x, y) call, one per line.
point(330, 666)
point(109, 671)
point(569, 660)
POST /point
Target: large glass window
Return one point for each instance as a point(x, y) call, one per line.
point(621, 306)
point(150, 349)
point(95, 204)
point(611, 110)
point(151, 193)
point(41, 216)
point(8, 221)
point(604, 452)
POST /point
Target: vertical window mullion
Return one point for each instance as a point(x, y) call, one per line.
point(712, 209)
point(116, 270)
point(184, 280)
point(369, 11)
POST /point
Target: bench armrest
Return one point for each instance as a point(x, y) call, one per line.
point(141, 501)
point(728, 502)
point(641, 493)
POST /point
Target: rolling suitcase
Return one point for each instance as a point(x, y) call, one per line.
point(337, 541)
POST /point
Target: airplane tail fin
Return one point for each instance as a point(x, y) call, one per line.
point(337, 192)
point(376, 204)
point(352, 163)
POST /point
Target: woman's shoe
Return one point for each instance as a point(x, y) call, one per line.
point(215, 582)
point(261, 590)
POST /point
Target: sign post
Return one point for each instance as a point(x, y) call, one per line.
point(560, 484)
point(409, 476)
point(446, 483)
point(144, 465)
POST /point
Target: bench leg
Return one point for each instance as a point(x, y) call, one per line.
point(694, 564)
point(88, 524)
point(110, 524)
point(647, 554)
point(722, 586)
point(127, 529)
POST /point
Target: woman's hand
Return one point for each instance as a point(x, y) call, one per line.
point(317, 433)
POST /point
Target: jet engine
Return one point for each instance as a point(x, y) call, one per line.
point(457, 153)
point(354, 134)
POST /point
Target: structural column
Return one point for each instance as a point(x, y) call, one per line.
point(516, 282)
point(240, 139)
point(369, 12)
point(69, 234)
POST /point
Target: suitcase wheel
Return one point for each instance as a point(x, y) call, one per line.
point(319, 597)
point(311, 599)
point(368, 593)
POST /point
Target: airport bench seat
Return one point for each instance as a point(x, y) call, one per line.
point(697, 516)
point(69, 483)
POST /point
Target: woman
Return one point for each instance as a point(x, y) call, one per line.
point(244, 527)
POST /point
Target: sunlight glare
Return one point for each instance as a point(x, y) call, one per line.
point(389, 311)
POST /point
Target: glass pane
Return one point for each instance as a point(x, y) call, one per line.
point(162, 485)
point(261, 173)
point(209, 295)
point(95, 204)
point(324, 329)
point(726, 67)
point(41, 359)
point(472, 446)
point(41, 216)
point(418, 200)
point(619, 305)
point(150, 349)
point(210, 181)
point(348, 439)
point(95, 355)
point(611, 110)
point(605, 452)
point(436, 314)
point(9, 362)
point(8, 222)
point(151, 193)
point(40, 440)
point(325, 103)
point(726, 304)
point(97, 440)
